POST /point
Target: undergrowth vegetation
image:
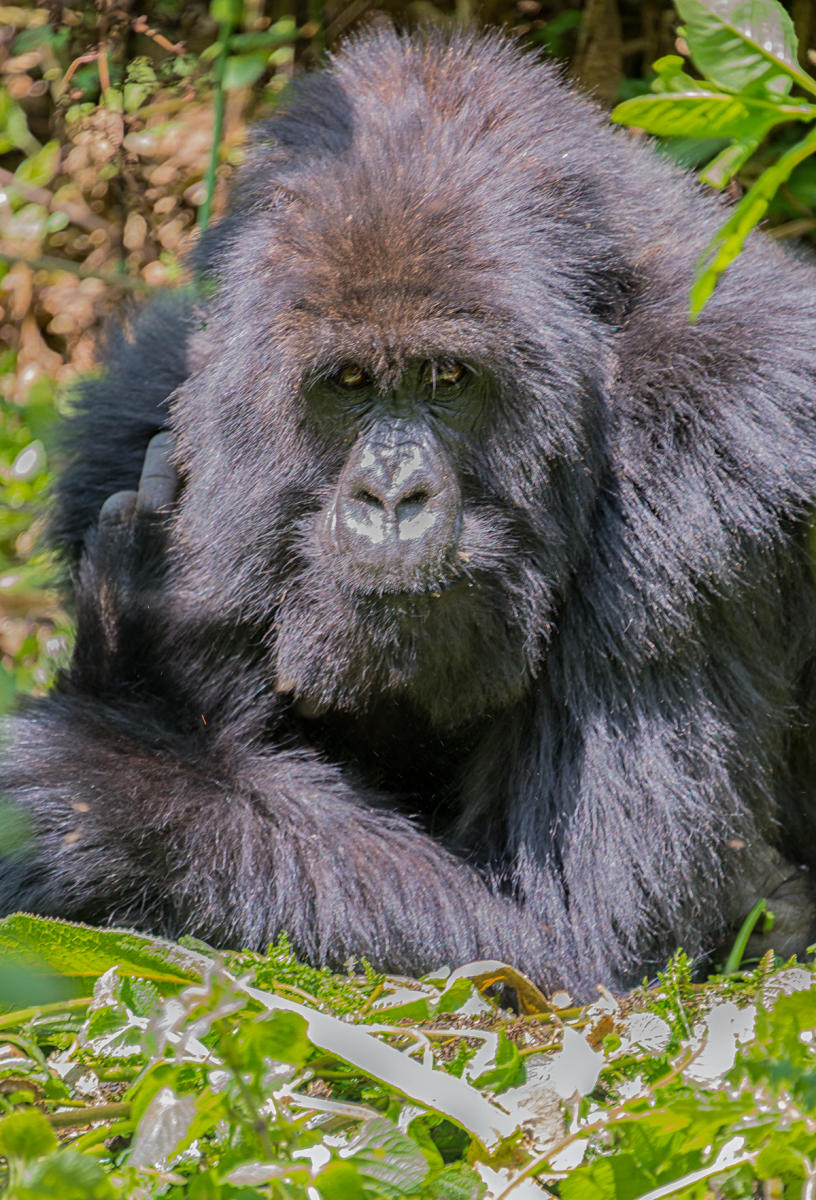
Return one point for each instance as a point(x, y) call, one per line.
point(147, 1068)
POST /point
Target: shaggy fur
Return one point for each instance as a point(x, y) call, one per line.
point(575, 743)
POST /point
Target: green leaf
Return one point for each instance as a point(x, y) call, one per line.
point(340, 1181)
point(26, 1135)
point(743, 45)
point(269, 39)
point(69, 1176)
point(671, 76)
point(39, 169)
point(728, 241)
point(390, 1164)
point(227, 12)
point(241, 70)
point(507, 1070)
point(618, 1178)
point(459, 993)
point(83, 952)
point(777, 1160)
point(455, 1182)
point(280, 1035)
point(706, 114)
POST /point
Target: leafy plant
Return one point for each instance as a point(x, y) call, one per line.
point(164, 1069)
point(746, 51)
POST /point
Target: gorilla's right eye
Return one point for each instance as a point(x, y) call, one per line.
point(351, 376)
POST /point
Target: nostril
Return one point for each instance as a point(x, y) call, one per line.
point(411, 505)
point(365, 497)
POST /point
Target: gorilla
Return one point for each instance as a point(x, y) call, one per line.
point(442, 592)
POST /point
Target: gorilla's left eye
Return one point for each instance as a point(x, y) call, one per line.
point(447, 373)
point(352, 375)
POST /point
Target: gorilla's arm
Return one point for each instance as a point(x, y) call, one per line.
point(135, 819)
point(134, 828)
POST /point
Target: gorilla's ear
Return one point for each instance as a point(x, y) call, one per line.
point(609, 282)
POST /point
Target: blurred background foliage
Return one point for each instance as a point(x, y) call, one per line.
point(121, 122)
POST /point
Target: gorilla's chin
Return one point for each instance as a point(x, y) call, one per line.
point(451, 652)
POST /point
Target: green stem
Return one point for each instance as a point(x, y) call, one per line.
point(224, 34)
point(24, 1015)
point(741, 941)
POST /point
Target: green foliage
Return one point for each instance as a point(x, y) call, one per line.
point(26, 571)
point(195, 1076)
point(746, 51)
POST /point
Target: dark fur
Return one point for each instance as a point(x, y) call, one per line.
point(608, 729)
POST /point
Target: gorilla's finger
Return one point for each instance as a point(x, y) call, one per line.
point(117, 509)
point(158, 483)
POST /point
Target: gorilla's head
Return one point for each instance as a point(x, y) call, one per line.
point(393, 437)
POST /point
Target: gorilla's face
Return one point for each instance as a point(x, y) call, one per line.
point(393, 524)
point(408, 583)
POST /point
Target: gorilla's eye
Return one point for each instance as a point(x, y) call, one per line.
point(447, 373)
point(351, 376)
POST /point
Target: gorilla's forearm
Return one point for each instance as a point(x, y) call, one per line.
point(131, 827)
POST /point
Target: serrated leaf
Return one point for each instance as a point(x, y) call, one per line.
point(455, 1182)
point(387, 1159)
point(743, 45)
point(81, 951)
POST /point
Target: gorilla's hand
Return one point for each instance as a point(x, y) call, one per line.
point(121, 573)
point(158, 485)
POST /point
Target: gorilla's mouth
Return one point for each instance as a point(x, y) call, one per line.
point(407, 598)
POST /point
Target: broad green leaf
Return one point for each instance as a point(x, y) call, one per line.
point(83, 952)
point(618, 1178)
point(281, 1036)
point(706, 114)
point(780, 1159)
point(743, 45)
point(26, 1135)
point(728, 241)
